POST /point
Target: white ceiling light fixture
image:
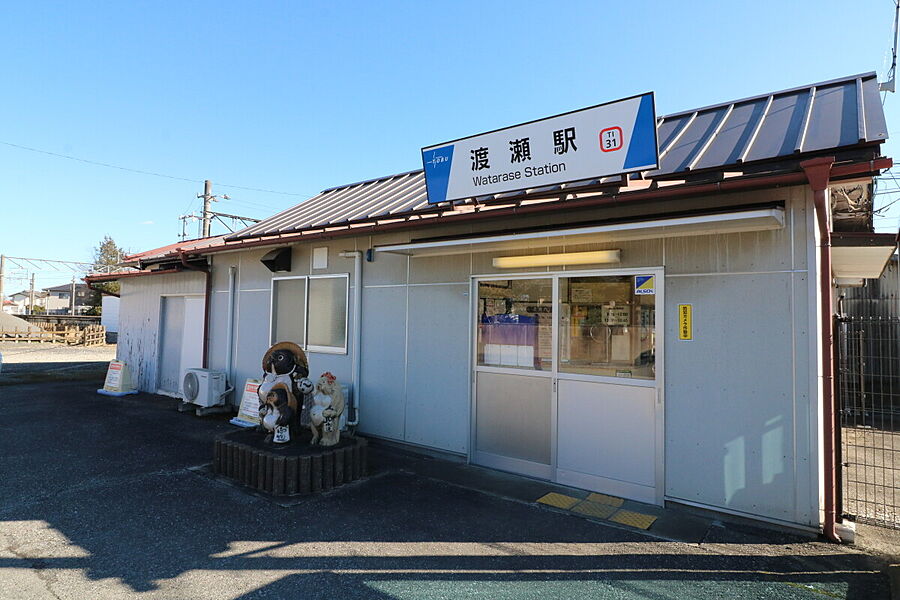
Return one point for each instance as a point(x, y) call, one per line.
point(565, 258)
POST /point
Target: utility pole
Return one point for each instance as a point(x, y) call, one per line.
point(890, 85)
point(72, 298)
point(31, 308)
point(2, 273)
point(207, 200)
point(207, 216)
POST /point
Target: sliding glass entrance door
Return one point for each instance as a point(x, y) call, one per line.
point(514, 375)
point(606, 384)
point(567, 383)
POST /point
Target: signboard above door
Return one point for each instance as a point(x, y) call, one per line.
point(609, 139)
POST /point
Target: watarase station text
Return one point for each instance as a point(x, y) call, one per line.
point(524, 173)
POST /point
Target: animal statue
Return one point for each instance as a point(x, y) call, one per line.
point(325, 414)
point(285, 365)
point(277, 413)
point(307, 389)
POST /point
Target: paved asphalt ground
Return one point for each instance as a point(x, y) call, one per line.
point(99, 499)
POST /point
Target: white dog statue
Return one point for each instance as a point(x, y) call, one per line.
point(325, 413)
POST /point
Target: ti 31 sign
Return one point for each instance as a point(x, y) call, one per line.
point(609, 139)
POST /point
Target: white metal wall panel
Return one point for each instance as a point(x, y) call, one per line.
point(385, 270)
point(437, 399)
point(171, 331)
point(253, 275)
point(383, 368)
point(220, 264)
point(192, 335)
point(109, 317)
point(440, 269)
point(729, 394)
point(218, 332)
point(252, 331)
point(805, 404)
point(139, 321)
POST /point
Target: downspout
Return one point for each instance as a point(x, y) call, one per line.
point(207, 294)
point(229, 336)
point(357, 330)
point(818, 172)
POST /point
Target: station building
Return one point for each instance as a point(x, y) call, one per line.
point(688, 363)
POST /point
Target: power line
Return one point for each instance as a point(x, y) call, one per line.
point(150, 173)
point(44, 265)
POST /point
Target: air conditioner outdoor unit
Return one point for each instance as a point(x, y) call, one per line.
point(204, 387)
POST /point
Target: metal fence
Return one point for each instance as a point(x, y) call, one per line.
point(867, 382)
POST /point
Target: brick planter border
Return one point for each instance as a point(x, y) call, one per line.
point(284, 475)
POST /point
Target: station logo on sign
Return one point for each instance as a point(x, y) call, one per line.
point(644, 285)
point(615, 138)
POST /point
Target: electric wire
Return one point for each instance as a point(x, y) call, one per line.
point(149, 173)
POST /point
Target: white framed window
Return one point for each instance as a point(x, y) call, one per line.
point(310, 311)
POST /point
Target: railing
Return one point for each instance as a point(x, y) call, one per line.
point(92, 335)
point(868, 387)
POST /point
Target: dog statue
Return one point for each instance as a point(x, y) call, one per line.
point(325, 413)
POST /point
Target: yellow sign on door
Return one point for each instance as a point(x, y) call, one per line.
point(685, 326)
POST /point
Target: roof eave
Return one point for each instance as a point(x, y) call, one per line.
point(604, 197)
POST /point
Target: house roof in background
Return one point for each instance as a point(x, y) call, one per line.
point(66, 287)
point(743, 137)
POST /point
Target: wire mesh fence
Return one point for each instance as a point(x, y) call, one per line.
point(868, 386)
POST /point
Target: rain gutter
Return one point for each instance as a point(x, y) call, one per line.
point(207, 295)
point(357, 256)
point(818, 172)
point(117, 276)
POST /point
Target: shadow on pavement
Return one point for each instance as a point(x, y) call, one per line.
point(98, 487)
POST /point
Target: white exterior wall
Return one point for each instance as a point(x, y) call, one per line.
point(741, 398)
point(742, 404)
point(139, 310)
point(109, 315)
point(252, 308)
point(742, 401)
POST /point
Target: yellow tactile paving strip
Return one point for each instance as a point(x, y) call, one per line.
point(559, 500)
point(594, 509)
point(633, 519)
point(599, 506)
point(604, 499)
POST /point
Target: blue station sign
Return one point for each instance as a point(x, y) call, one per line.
point(609, 139)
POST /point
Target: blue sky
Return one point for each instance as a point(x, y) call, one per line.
point(300, 96)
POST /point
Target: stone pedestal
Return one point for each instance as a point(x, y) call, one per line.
point(294, 470)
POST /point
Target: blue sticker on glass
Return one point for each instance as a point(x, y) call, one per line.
point(644, 285)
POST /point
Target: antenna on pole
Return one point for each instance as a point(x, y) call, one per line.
point(889, 85)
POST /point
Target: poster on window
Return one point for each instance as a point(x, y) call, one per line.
point(615, 315)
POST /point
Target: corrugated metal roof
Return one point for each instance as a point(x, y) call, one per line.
point(829, 115)
point(172, 249)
